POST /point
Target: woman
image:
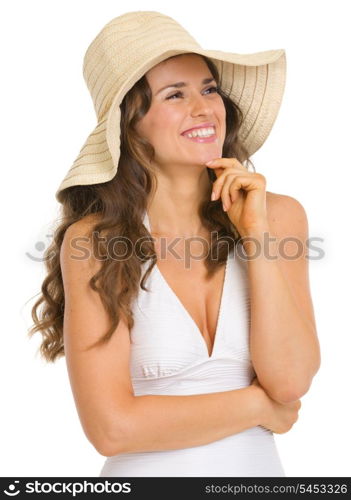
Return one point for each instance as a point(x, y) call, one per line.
point(202, 359)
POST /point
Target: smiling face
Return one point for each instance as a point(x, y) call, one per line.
point(175, 110)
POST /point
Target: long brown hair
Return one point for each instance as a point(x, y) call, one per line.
point(119, 206)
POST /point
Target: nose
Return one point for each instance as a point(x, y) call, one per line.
point(200, 106)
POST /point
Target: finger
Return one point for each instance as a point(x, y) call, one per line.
point(246, 182)
point(225, 193)
point(219, 182)
point(218, 171)
point(226, 162)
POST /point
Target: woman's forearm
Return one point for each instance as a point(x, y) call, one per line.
point(155, 423)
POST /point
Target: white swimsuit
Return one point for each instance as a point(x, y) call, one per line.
point(169, 356)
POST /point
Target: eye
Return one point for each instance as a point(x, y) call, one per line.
point(213, 88)
point(179, 92)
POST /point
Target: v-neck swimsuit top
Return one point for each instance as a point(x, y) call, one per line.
point(169, 356)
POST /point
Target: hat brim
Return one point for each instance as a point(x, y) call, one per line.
point(254, 81)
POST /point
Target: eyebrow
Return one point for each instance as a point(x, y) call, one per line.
point(183, 84)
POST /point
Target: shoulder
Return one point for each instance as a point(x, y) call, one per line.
point(83, 226)
point(286, 214)
point(283, 201)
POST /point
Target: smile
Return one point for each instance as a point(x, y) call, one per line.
point(201, 135)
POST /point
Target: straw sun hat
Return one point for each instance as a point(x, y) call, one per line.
point(131, 44)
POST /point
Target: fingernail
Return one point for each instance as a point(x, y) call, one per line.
point(224, 208)
point(213, 195)
point(209, 162)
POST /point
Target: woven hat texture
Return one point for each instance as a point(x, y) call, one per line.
point(131, 44)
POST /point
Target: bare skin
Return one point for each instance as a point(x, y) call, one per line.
point(113, 418)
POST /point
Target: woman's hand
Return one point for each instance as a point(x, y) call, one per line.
point(277, 417)
point(243, 194)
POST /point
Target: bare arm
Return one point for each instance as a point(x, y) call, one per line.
point(113, 418)
point(283, 339)
point(173, 422)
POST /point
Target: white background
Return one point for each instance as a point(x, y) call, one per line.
point(47, 114)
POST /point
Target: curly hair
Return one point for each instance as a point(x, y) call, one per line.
point(117, 207)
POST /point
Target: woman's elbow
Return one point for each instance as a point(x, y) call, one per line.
point(108, 436)
point(288, 397)
point(117, 438)
point(294, 392)
point(111, 445)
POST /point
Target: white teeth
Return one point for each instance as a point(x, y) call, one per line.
point(202, 132)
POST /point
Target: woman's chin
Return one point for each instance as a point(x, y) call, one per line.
point(208, 156)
